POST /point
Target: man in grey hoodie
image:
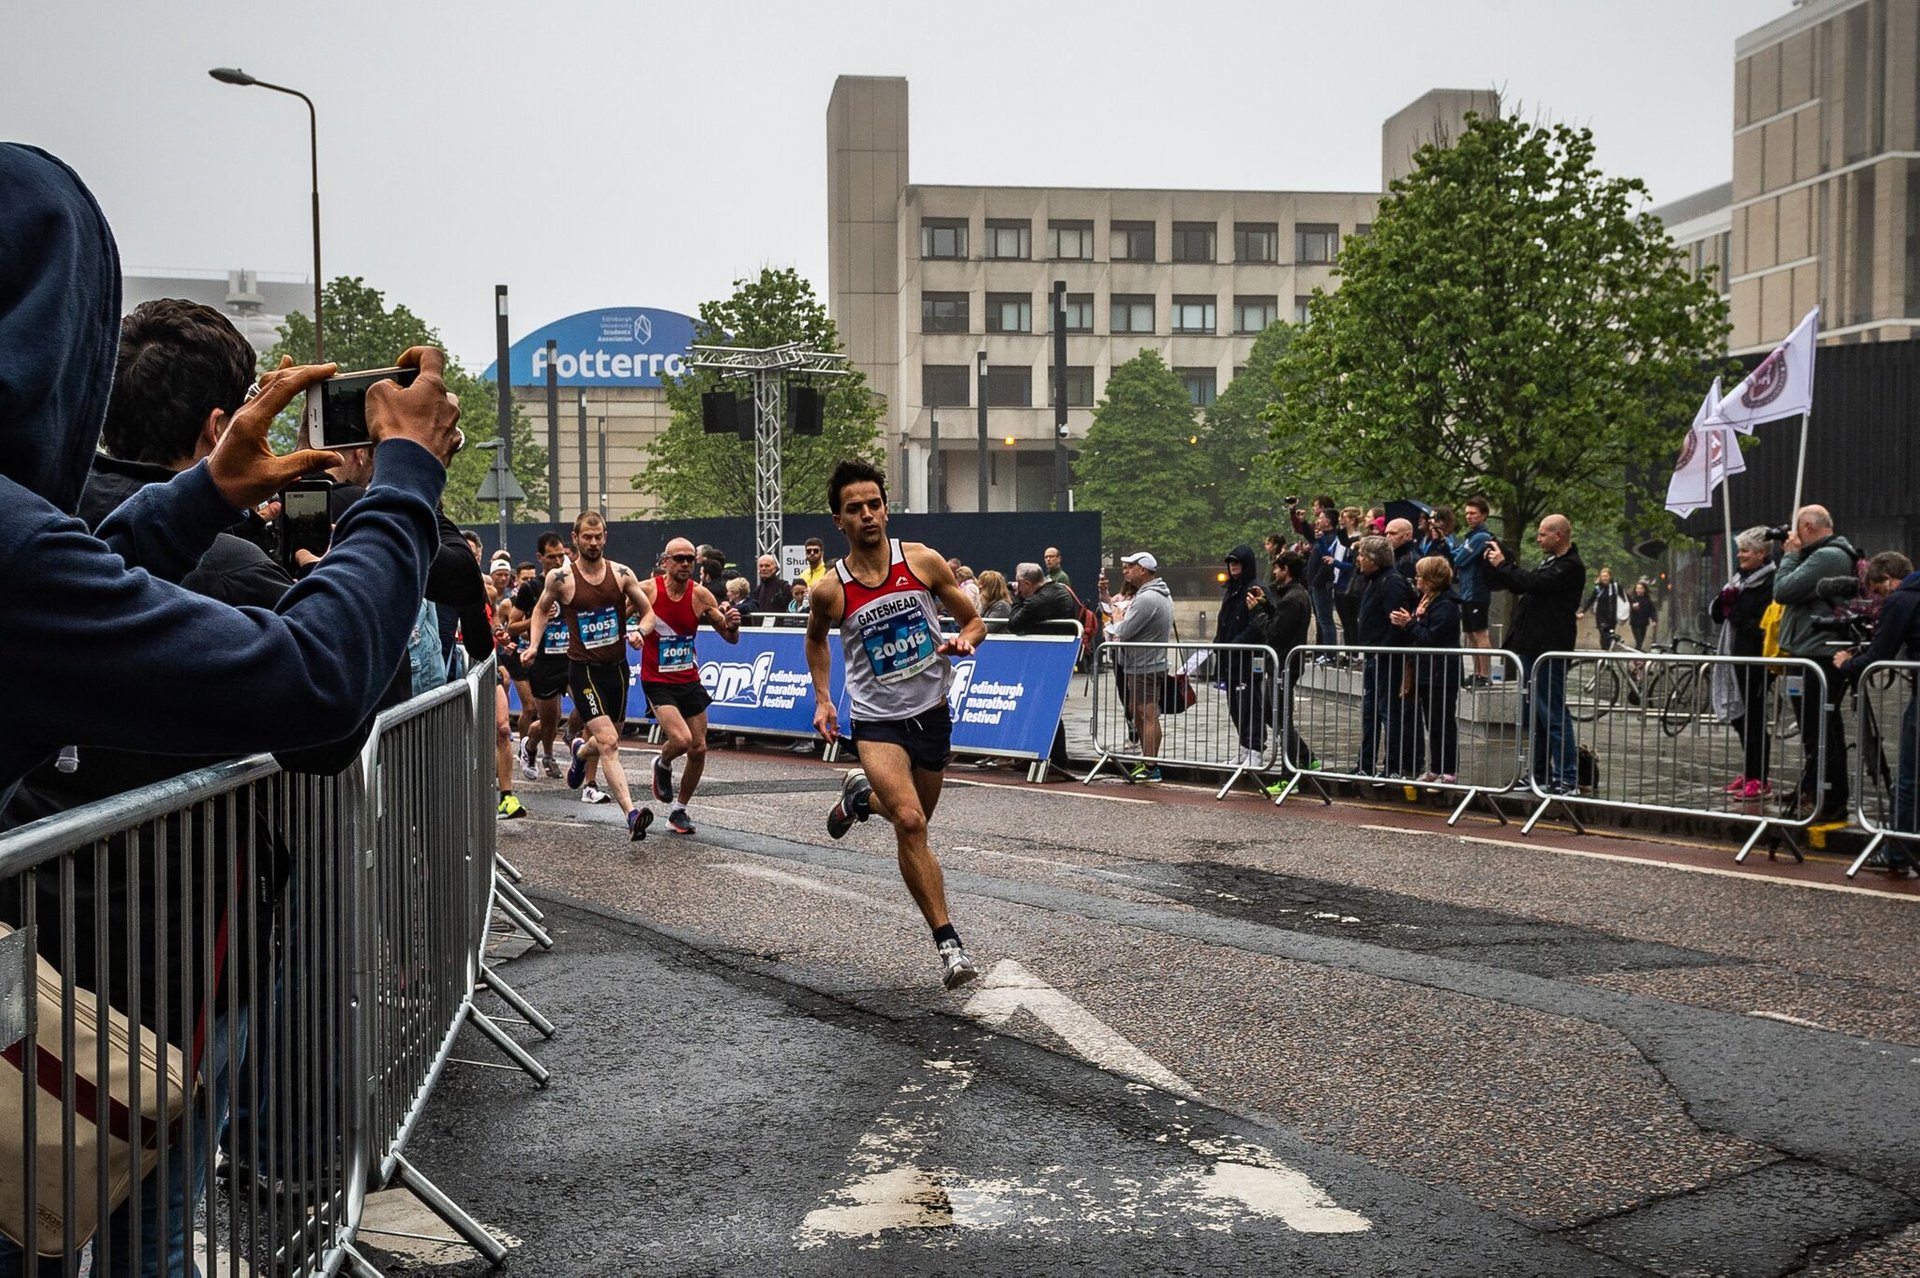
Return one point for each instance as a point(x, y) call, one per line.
point(1143, 671)
point(1814, 552)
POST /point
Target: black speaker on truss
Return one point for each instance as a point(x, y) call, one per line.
point(806, 410)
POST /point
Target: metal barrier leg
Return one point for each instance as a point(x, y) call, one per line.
point(1098, 764)
point(358, 1264)
point(1579, 826)
point(506, 867)
point(1873, 845)
point(519, 899)
point(504, 1041)
point(448, 1210)
point(512, 998)
point(525, 924)
point(1466, 801)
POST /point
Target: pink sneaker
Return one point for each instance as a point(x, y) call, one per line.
point(1756, 790)
point(1738, 785)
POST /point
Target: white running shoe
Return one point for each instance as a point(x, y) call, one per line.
point(591, 794)
point(956, 969)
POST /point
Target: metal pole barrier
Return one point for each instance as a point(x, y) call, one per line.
point(1883, 795)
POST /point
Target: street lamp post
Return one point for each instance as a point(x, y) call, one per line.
point(233, 75)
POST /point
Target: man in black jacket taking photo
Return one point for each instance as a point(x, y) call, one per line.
point(1547, 600)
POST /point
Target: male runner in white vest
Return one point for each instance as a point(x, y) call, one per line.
point(881, 595)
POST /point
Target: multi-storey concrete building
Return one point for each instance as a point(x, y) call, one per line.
point(1824, 206)
point(930, 282)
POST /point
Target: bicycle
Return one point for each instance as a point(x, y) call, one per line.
point(1593, 688)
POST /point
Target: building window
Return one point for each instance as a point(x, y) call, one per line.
point(943, 385)
point(1079, 385)
point(1253, 314)
point(1077, 308)
point(1193, 241)
point(1132, 313)
point(1256, 241)
point(1009, 239)
point(1009, 312)
point(943, 237)
point(1131, 242)
point(1203, 384)
point(1301, 307)
point(1315, 242)
point(1070, 241)
point(1193, 315)
point(1362, 229)
point(943, 313)
point(1010, 387)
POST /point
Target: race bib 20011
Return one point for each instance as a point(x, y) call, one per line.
point(676, 653)
point(599, 628)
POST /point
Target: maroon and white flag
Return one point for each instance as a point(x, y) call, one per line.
point(1709, 454)
point(1782, 386)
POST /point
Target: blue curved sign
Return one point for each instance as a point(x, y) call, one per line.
point(619, 346)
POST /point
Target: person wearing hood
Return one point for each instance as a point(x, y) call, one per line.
point(1143, 670)
point(1742, 694)
point(1891, 578)
point(1237, 673)
point(1279, 618)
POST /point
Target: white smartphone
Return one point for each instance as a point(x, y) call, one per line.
point(337, 407)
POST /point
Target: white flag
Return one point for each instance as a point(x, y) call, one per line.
point(1707, 456)
point(1782, 385)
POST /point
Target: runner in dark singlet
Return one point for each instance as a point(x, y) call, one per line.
point(596, 596)
point(547, 675)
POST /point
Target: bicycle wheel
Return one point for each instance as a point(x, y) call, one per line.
point(1592, 691)
point(1685, 703)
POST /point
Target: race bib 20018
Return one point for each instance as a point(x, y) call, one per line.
point(599, 628)
point(899, 646)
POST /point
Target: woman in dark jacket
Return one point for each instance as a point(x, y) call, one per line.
point(1643, 614)
point(1742, 694)
point(1603, 601)
point(1235, 670)
point(1434, 623)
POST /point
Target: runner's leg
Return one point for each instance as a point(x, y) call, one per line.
point(696, 750)
point(905, 795)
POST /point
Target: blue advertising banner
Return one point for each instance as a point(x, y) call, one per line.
point(619, 346)
point(761, 683)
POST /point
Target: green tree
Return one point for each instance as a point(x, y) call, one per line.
point(1511, 326)
point(694, 474)
point(1142, 466)
point(362, 332)
point(1250, 481)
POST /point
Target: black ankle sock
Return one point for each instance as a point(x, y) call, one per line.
point(943, 934)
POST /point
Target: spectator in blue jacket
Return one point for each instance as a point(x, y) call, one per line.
point(1472, 586)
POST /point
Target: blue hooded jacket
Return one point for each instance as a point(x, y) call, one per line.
point(110, 650)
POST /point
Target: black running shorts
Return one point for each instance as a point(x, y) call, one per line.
point(599, 689)
point(689, 699)
point(547, 676)
point(927, 737)
point(1473, 618)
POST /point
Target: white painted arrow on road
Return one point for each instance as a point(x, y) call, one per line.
point(891, 1185)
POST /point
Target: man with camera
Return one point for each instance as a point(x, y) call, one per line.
point(1546, 601)
point(1891, 578)
point(1814, 552)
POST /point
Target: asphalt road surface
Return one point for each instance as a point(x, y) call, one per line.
point(1211, 1038)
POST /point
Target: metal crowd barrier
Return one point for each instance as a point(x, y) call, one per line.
point(1886, 730)
point(1235, 691)
point(1655, 732)
point(307, 946)
point(1400, 716)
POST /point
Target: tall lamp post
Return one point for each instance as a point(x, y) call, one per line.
point(234, 75)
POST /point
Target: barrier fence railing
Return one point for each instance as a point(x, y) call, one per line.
point(1400, 716)
point(1683, 735)
point(280, 963)
point(1886, 738)
point(1192, 705)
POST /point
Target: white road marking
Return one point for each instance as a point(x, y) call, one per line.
point(1064, 794)
point(804, 883)
point(891, 1186)
point(1790, 1020)
point(1008, 988)
point(1712, 870)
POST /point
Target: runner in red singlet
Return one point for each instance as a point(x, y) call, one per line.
point(670, 674)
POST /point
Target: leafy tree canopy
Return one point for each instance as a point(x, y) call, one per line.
point(694, 474)
point(1142, 466)
point(362, 332)
point(1511, 326)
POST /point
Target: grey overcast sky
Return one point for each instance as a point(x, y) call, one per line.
point(608, 154)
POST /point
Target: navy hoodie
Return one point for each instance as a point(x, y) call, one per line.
point(112, 651)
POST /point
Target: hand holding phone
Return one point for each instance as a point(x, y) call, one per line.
point(243, 465)
point(337, 407)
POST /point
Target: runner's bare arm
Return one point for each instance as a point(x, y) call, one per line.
point(824, 604)
point(557, 591)
point(725, 620)
point(636, 592)
point(929, 566)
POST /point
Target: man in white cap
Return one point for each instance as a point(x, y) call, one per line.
point(1143, 670)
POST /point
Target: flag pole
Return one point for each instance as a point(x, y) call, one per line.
point(1726, 514)
point(1800, 470)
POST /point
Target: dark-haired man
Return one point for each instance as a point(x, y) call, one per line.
point(882, 595)
point(547, 673)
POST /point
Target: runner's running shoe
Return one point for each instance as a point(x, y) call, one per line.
point(956, 969)
point(528, 767)
point(680, 821)
point(852, 806)
point(637, 822)
point(593, 794)
point(662, 779)
point(577, 770)
point(511, 807)
point(553, 769)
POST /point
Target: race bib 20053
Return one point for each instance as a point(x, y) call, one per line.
point(898, 646)
point(599, 628)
